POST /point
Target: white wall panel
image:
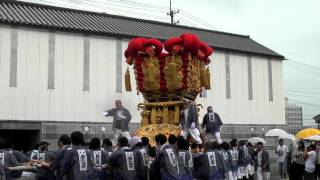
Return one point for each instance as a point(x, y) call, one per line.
point(56, 96)
point(31, 100)
point(4, 72)
point(45, 107)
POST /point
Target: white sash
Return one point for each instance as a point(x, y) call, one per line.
point(2, 158)
point(172, 157)
point(130, 161)
point(97, 158)
point(212, 159)
point(83, 162)
point(41, 156)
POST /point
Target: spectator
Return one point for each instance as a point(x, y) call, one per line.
point(282, 151)
point(298, 162)
point(263, 164)
point(310, 157)
point(318, 160)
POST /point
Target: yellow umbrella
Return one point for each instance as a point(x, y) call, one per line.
point(305, 133)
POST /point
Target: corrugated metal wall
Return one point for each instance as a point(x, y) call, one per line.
point(67, 101)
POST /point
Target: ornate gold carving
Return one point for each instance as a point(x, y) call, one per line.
point(173, 72)
point(194, 82)
point(151, 73)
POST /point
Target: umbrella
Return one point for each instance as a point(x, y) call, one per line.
point(287, 136)
point(313, 138)
point(275, 133)
point(305, 133)
point(255, 140)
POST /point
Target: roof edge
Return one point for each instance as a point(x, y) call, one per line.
point(126, 36)
point(22, 2)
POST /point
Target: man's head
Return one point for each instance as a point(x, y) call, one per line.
point(209, 109)
point(182, 143)
point(135, 141)
point(107, 143)
point(195, 148)
point(94, 143)
point(145, 141)
point(242, 143)
point(118, 104)
point(77, 138)
point(185, 104)
point(318, 145)
point(259, 146)
point(312, 147)
point(280, 142)
point(225, 146)
point(172, 139)
point(64, 140)
point(122, 142)
point(44, 146)
point(160, 139)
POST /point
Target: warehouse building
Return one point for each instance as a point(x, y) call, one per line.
point(60, 68)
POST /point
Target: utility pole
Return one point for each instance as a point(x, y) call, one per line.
point(171, 13)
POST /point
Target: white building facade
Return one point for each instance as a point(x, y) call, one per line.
point(54, 81)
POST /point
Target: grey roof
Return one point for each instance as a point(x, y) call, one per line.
point(317, 118)
point(71, 20)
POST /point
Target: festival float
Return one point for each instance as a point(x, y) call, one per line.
point(167, 74)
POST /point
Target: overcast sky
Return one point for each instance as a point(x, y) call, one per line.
point(289, 27)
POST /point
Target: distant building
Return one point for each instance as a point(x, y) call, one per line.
point(293, 117)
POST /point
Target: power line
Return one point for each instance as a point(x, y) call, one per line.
point(305, 103)
point(299, 91)
point(302, 95)
point(197, 19)
point(303, 64)
point(311, 73)
point(109, 5)
point(104, 8)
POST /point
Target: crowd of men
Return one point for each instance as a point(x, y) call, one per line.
point(172, 158)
